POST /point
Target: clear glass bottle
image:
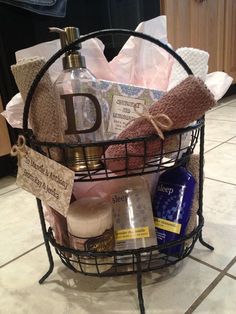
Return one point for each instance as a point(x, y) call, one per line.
point(133, 217)
point(80, 98)
point(81, 80)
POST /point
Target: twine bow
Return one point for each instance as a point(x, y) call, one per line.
point(155, 120)
point(19, 149)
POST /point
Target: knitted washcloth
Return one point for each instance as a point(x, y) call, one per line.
point(184, 104)
point(193, 168)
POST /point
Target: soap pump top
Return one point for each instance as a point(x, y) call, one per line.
point(73, 58)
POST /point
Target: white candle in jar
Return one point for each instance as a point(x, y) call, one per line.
point(90, 226)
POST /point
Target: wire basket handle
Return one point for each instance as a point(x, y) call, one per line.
point(80, 40)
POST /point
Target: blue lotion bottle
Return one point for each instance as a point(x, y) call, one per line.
point(172, 207)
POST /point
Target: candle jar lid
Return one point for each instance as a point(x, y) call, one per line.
point(89, 217)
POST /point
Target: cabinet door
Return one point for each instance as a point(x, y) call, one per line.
point(5, 145)
point(178, 22)
point(230, 38)
point(193, 23)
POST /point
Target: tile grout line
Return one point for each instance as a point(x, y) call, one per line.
point(4, 193)
point(208, 290)
point(218, 106)
point(221, 143)
point(231, 276)
point(233, 184)
point(230, 140)
point(213, 140)
point(221, 105)
point(211, 266)
point(224, 142)
point(207, 151)
point(216, 141)
point(23, 254)
point(205, 263)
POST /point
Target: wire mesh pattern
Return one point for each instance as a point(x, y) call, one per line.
point(117, 263)
point(125, 262)
point(184, 142)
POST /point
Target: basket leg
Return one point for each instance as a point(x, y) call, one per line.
point(204, 243)
point(139, 284)
point(46, 242)
point(201, 179)
point(201, 169)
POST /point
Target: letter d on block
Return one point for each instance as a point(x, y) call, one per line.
point(70, 114)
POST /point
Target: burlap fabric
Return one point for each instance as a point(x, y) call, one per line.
point(46, 116)
point(193, 168)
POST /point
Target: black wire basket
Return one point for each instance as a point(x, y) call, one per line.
point(116, 263)
point(158, 161)
point(155, 162)
point(125, 262)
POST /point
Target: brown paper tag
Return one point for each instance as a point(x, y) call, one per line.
point(49, 181)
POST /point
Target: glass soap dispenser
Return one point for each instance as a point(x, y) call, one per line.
point(79, 94)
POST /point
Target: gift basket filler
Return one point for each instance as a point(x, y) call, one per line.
point(135, 202)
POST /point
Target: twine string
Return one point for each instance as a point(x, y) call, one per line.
point(19, 149)
point(161, 122)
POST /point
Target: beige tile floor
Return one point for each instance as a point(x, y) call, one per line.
point(203, 283)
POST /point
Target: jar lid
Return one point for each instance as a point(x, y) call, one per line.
point(89, 217)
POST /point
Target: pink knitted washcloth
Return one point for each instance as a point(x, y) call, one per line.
point(184, 104)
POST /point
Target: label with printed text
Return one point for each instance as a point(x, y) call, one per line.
point(122, 111)
point(132, 233)
point(167, 225)
point(49, 181)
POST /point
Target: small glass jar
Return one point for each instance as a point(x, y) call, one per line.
point(133, 218)
point(90, 226)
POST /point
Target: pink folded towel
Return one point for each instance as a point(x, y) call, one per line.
point(183, 104)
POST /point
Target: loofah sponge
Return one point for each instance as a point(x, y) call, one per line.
point(184, 104)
